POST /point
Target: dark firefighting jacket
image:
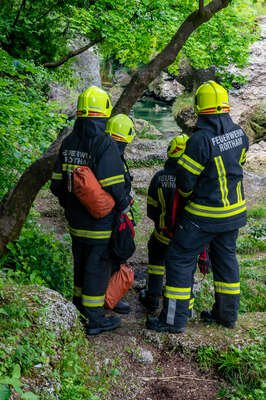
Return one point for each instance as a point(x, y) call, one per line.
point(164, 203)
point(210, 174)
point(89, 145)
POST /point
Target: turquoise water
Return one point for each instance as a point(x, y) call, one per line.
point(157, 113)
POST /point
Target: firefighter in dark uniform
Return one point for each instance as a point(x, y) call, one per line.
point(209, 175)
point(89, 145)
point(121, 129)
point(163, 203)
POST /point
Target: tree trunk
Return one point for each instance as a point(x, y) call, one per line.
point(141, 79)
point(16, 205)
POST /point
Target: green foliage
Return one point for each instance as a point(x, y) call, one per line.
point(37, 257)
point(27, 122)
point(254, 239)
point(244, 368)
point(66, 360)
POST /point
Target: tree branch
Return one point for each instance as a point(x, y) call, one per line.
point(16, 205)
point(22, 5)
point(141, 79)
point(201, 6)
point(71, 54)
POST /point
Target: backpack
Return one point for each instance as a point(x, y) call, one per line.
point(122, 245)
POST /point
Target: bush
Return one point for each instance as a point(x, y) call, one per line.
point(38, 257)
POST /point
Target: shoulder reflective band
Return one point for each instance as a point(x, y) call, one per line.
point(184, 194)
point(163, 207)
point(90, 234)
point(190, 165)
point(152, 202)
point(57, 176)
point(161, 238)
point(227, 288)
point(222, 179)
point(177, 293)
point(216, 212)
point(92, 301)
point(112, 180)
point(239, 191)
point(156, 269)
point(243, 157)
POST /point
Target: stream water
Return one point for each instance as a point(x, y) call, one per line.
point(157, 113)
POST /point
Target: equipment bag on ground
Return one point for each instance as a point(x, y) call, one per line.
point(94, 198)
point(120, 282)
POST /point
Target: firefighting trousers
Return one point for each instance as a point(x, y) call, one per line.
point(188, 242)
point(157, 252)
point(92, 268)
point(156, 266)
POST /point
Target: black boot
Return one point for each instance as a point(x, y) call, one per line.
point(155, 324)
point(150, 302)
point(98, 322)
point(210, 317)
point(122, 307)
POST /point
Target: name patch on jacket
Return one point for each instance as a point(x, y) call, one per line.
point(168, 181)
point(229, 140)
point(75, 157)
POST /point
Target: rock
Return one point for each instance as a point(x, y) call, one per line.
point(146, 149)
point(86, 69)
point(165, 88)
point(60, 315)
point(186, 119)
point(142, 356)
point(121, 77)
point(144, 127)
point(254, 123)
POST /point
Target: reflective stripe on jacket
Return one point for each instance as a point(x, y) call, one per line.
point(210, 171)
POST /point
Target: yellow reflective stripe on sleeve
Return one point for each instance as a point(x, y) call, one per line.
point(177, 293)
point(222, 179)
point(239, 192)
point(216, 212)
point(184, 194)
point(227, 288)
point(161, 237)
point(112, 180)
point(92, 301)
point(69, 167)
point(90, 234)
point(77, 291)
point(57, 176)
point(190, 165)
point(152, 202)
point(243, 157)
point(163, 207)
point(156, 269)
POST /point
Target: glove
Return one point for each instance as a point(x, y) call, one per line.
point(204, 262)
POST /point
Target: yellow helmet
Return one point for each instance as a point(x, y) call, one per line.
point(121, 128)
point(177, 146)
point(211, 98)
point(94, 102)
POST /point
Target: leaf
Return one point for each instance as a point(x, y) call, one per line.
point(29, 396)
point(5, 392)
point(16, 372)
point(2, 311)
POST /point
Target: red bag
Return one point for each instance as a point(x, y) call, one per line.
point(120, 282)
point(94, 198)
